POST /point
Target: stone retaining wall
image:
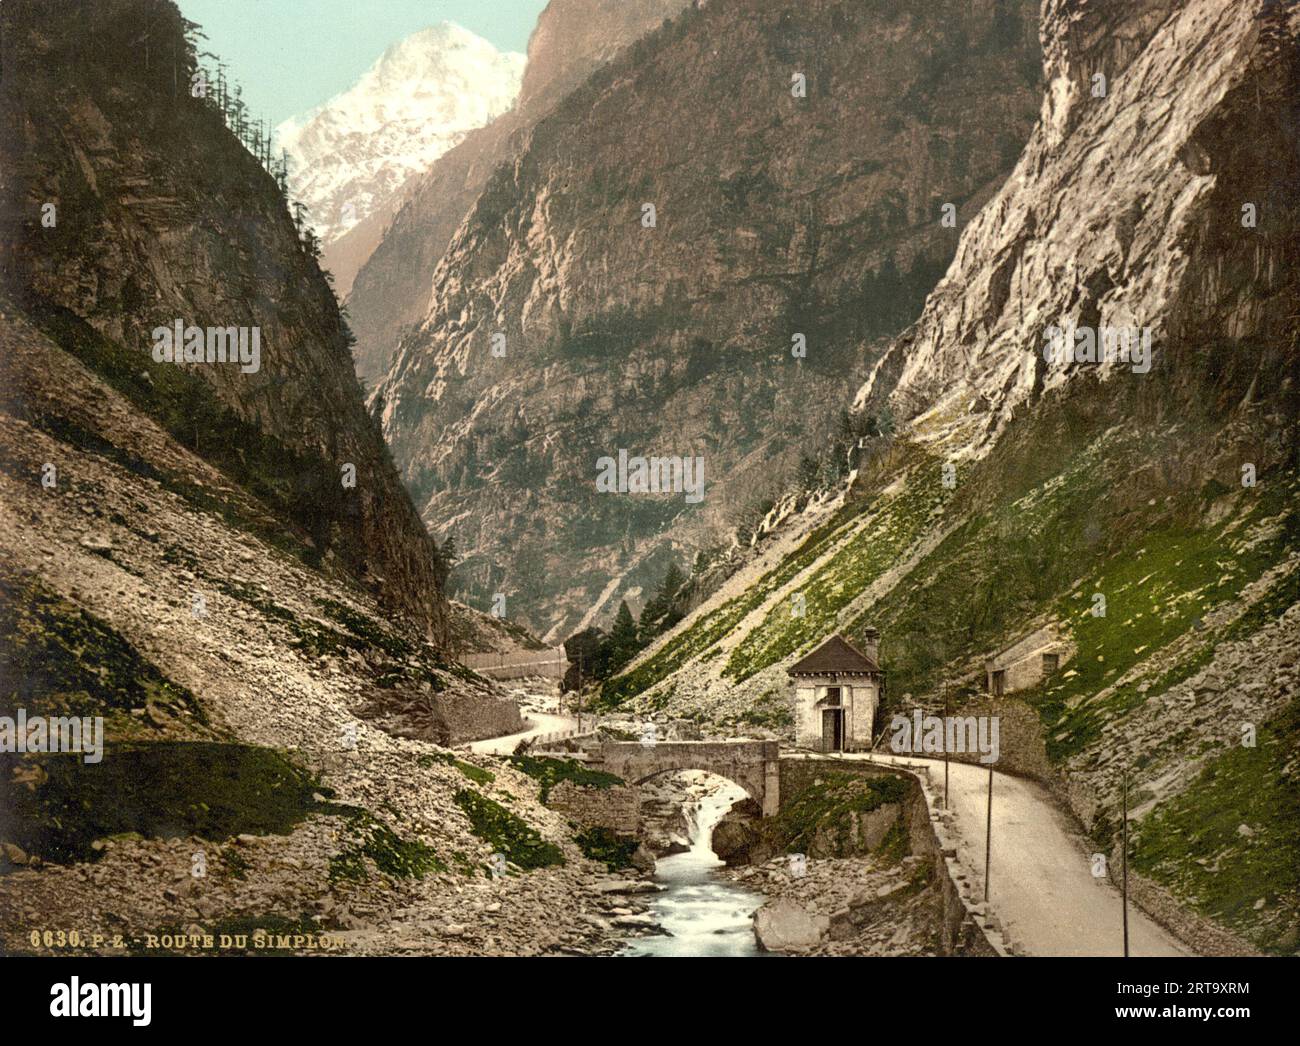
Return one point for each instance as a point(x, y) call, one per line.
point(1023, 752)
point(519, 664)
point(1022, 749)
point(473, 717)
point(618, 807)
point(966, 929)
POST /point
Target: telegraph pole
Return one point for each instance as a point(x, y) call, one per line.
point(947, 714)
point(1124, 863)
point(579, 691)
point(988, 836)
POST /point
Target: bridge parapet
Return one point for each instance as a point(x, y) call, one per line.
point(754, 765)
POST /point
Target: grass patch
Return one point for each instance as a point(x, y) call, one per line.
point(1257, 787)
point(705, 633)
point(607, 846)
point(891, 526)
point(476, 774)
point(520, 843)
point(828, 811)
point(1155, 595)
point(550, 772)
point(58, 660)
point(236, 863)
point(366, 629)
point(55, 806)
point(392, 855)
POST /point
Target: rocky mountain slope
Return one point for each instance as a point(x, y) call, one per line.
point(265, 645)
point(1020, 489)
point(1127, 257)
point(796, 199)
point(397, 260)
point(350, 156)
point(110, 238)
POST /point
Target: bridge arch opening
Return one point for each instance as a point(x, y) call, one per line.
point(679, 808)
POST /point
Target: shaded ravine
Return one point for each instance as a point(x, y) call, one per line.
point(702, 913)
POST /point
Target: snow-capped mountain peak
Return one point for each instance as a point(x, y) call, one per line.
point(351, 155)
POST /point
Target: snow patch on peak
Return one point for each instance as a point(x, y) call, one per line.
point(350, 156)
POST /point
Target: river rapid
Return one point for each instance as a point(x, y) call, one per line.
point(704, 913)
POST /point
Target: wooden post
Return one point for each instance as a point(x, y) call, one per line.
point(1124, 864)
point(988, 836)
point(947, 712)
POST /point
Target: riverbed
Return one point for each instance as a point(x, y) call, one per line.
point(704, 913)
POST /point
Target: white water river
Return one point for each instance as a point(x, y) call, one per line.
point(705, 914)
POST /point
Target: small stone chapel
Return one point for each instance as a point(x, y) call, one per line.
point(837, 690)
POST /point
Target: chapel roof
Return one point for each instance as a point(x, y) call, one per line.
point(836, 654)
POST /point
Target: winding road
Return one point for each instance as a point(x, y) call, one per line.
point(1041, 886)
point(539, 723)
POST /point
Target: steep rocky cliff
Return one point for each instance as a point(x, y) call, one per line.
point(397, 254)
point(128, 207)
point(797, 157)
point(180, 561)
point(1111, 215)
point(572, 38)
point(1147, 514)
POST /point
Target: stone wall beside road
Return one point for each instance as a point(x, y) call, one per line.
point(618, 807)
point(966, 928)
point(471, 717)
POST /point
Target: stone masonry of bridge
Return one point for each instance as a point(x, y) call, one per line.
point(754, 765)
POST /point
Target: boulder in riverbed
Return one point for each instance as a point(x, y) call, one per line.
point(628, 886)
point(784, 926)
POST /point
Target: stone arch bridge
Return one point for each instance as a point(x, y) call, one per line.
point(754, 765)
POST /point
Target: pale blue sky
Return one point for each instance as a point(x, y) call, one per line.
point(291, 55)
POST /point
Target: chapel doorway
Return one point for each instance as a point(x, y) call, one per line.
point(832, 729)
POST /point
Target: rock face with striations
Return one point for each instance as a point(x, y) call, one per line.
point(1156, 192)
point(797, 157)
point(160, 215)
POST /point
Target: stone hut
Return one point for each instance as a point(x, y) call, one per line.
point(836, 693)
point(1026, 662)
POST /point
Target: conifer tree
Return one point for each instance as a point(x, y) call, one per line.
point(623, 643)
